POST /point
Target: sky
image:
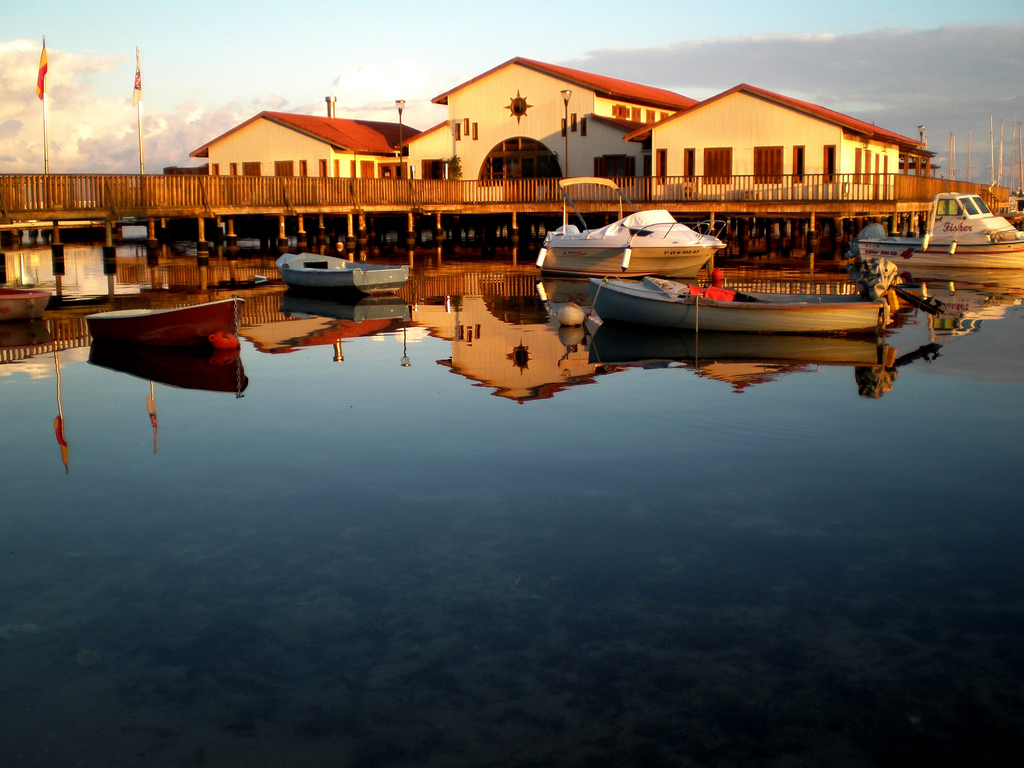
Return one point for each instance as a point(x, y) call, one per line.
point(207, 66)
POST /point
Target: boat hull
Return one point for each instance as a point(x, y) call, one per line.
point(310, 271)
point(624, 343)
point(910, 252)
point(684, 263)
point(183, 367)
point(646, 303)
point(21, 304)
point(179, 327)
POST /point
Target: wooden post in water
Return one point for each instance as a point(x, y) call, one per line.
point(321, 234)
point(282, 236)
point(514, 238)
point(350, 235)
point(438, 231)
point(300, 238)
point(57, 258)
point(812, 237)
point(202, 247)
point(410, 232)
point(361, 237)
point(232, 238)
point(109, 256)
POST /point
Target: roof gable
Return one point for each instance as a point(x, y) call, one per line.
point(846, 122)
point(364, 136)
point(607, 87)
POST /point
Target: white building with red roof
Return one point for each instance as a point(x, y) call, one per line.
point(750, 131)
point(529, 119)
point(286, 144)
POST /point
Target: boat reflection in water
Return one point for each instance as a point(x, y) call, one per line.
point(968, 297)
point(203, 368)
point(369, 308)
point(741, 359)
point(20, 339)
point(314, 322)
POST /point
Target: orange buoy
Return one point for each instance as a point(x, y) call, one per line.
point(717, 277)
point(224, 340)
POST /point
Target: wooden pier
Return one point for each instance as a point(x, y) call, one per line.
point(343, 210)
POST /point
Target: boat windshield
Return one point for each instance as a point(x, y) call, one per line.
point(948, 206)
point(968, 203)
point(982, 208)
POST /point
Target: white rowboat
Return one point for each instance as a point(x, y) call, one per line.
point(311, 270)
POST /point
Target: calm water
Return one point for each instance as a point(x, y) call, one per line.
point(527, 547)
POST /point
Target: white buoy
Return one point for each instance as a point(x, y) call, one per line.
point(570, 336)
point(540, 257)
point(626, 254)
point(571, 314)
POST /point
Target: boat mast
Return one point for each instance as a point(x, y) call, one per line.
point(991, 153)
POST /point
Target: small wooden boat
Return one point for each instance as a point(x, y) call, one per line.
point(178, 327)
point(668, 304)
point(22, 304)
point(313, 271)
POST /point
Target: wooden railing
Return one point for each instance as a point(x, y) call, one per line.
point(113, 197)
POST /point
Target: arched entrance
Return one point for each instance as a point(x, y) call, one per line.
point(520, 158)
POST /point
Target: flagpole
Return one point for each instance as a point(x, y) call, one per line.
point(137, 97)
point(142, 159)
point(46, 140)
point(41, 88)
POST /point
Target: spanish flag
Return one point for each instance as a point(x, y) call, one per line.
point(137, 93)
point(41, 79)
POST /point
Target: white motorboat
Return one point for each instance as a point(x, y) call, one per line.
point(641, 243)
point(669, 304)
point(961, 232)
point(311, 270)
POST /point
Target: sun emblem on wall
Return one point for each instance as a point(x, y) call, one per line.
point(518, 107)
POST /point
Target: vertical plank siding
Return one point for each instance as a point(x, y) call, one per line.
point(102, 196)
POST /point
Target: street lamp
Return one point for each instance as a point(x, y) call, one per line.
point(566, 93)
point(400, 103)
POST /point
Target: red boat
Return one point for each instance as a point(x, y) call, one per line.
point(179, 327)
point(21, 304)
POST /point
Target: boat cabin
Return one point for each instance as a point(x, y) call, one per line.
point(966, 217)
point(961, 205)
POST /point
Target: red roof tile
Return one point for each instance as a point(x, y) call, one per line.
point(364, 136)
point(609, 87)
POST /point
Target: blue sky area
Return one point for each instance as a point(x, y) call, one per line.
point(208, 65)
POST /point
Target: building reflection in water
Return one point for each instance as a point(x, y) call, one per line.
point(509, 344)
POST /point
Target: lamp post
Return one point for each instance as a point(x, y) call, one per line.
point(400, 103)
point(566, 93)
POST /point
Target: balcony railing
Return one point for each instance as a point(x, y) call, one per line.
point(101, 196)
